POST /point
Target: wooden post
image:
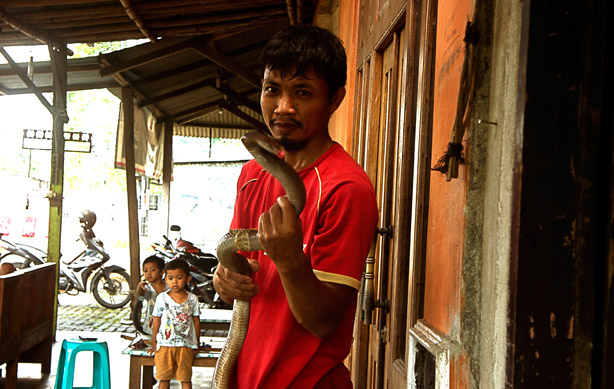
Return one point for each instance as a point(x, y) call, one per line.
point(56, 182)
point(133, 215)
point(167, 169)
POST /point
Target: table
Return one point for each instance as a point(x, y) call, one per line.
point(141, 362)
point(215, 322)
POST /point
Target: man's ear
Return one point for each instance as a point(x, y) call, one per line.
point(336, 99)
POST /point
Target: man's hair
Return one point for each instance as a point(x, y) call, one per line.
point(159, 262)
point(296, 49)
point(178, 264)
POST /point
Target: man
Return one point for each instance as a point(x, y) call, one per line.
point(303, 291)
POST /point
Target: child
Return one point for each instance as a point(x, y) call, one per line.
point(153, 268)
point(176, 327)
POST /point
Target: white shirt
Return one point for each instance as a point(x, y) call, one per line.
point(177, 325)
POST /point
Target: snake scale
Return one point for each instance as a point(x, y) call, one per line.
point(265, 151)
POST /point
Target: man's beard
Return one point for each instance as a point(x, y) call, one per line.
point(287, 143)
point(291, 145)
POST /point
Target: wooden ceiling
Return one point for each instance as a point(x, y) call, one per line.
point(198, 68)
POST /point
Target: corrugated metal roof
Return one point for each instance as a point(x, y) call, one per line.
point(202, 55)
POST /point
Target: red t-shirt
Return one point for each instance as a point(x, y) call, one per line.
point(339, 220)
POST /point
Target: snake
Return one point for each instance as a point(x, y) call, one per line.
point(265, 151)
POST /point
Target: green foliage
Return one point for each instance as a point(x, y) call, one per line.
point(95, 112)
point(83, 50)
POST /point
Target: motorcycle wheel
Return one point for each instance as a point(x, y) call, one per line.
point(112, 296)
point(139, 317)
point(19, 261)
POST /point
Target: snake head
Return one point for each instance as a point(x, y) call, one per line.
point(256, 139)
point(241, 264)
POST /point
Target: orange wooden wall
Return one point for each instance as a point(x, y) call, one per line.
point(445, 233)
point(342, 121)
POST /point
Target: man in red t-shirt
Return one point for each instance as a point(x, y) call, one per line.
point(303, 290)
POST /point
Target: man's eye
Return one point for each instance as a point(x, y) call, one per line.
point(304, 93)
point(270, 89)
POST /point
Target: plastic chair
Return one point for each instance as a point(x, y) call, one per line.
point(68, 355)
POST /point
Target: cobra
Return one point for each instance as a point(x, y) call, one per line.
point(265, 151)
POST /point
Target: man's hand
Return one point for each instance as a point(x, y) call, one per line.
point(281, 234)
point(235, 286)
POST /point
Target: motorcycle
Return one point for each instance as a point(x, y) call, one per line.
point(202, 267)
point(20, 255)
point(110, 285)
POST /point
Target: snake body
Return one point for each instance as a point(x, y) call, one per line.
point(265, 151)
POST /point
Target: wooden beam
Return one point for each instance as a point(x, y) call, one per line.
point(70, 88)
point(45, 67)
point(258, 125)
point(177, 92)
point(133, 215)
point(167, 170)
point(239, 98)
point(74, 34)
point(42, 3)
point(79, 21)
point(291, 7)
point(56, 180)
point(223, 29)
point(227, 63)
point(198, 109)
point(63, 14)
point(216, 18)
point(144, 59)
point(190, 6)
point(136, 18)
point(156, 77)
point(31, 32)
point(26, 80)
point(300, 19)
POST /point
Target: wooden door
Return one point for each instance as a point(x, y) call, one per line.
point(382, 80)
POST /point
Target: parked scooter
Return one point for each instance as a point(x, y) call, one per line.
point(110, 285)
point(202, 267)
point(21, 255)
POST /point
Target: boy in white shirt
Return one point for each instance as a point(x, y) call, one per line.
point(176, 326)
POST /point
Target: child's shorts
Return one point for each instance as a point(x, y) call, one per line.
point(174, 363)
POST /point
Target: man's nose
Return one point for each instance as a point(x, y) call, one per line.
point(285, 105)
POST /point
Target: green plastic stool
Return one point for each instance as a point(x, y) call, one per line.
point(68, 355)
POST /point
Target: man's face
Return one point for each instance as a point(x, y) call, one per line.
point(296, 108)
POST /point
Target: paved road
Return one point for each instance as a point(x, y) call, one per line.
point(83, 313)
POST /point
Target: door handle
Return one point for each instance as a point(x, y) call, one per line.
point(367, 296)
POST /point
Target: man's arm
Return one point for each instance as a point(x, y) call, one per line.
point(319, 306)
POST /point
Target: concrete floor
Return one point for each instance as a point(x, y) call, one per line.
point(30, 377)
